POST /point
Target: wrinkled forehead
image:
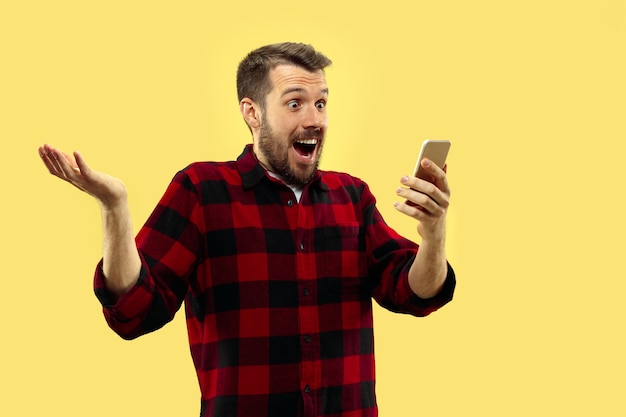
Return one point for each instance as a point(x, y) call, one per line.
point(285, 78)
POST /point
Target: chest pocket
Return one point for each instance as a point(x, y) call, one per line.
point(343, 265)
point(340, 237)
point(343, 250)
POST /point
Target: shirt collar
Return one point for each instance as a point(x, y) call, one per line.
point(252, 173)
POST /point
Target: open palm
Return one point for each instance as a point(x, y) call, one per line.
point(108, 190)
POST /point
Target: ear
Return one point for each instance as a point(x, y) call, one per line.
point(251, 112)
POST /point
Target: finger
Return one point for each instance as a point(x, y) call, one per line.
point(45, 157)
point(415, 211)
point(438, 174)
point(81, 164)
point(53, 162)
point(418, 188)
point(66, 165)
point(55, 159)
point(434, 205)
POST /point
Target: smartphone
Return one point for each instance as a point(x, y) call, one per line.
point(436, 151)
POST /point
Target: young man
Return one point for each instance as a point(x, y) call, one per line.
point(277, 261)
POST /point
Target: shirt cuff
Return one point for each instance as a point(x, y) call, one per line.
point(129, 303)
point(443, 297)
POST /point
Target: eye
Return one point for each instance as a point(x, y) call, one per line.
point(320, 104)
point(293, 104)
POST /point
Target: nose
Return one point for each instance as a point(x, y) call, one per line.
point(315, 118)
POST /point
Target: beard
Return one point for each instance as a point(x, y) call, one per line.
point(276, 153)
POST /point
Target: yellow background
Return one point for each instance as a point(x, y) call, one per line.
point(532, 94)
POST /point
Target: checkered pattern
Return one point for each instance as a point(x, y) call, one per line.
point(278, 293)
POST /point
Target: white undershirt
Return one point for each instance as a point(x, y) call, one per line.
point(297, 189)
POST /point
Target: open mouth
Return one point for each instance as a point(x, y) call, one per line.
point(305, 147)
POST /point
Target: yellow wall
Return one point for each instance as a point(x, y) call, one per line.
point(531, 94)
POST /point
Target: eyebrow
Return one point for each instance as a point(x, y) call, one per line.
point(300, 90)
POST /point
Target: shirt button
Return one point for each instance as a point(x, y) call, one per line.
point(290, 203)
point(307, 339)
point(305, 291)
point(301, 246)
point(307, 388)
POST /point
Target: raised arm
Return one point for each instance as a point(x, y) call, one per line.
point(428, 203)
point(121, 262)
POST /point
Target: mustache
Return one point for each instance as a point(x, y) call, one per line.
point(310, 133)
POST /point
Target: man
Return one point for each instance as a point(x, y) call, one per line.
point(277, 261)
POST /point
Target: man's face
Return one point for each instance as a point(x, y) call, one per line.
point(293, 123)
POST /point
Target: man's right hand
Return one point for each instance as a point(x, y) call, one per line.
point(108, 190)
point(121, 262)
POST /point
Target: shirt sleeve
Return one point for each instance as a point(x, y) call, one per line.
point(390, 257)
point(168, 246)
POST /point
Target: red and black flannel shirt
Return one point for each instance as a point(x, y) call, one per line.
point(278, 293)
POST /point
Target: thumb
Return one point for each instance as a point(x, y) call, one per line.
point(82, 165)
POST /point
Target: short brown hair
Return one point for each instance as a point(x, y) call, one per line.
point(253, 71)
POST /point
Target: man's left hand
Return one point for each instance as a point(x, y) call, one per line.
point(426, 201)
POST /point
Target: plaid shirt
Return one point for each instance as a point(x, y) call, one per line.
point(278, 293)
